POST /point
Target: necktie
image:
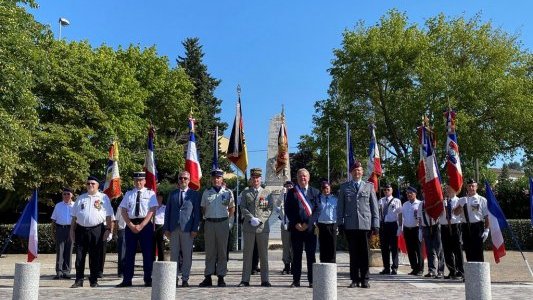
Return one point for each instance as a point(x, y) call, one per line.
point(137, 203)
point(356, 185)
point(304, 191)
point(385, 210)
point(180, 199)
point(449, 210)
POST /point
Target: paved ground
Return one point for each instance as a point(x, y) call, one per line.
point(510, 280)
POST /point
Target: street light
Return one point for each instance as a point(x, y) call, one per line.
point(62, 22)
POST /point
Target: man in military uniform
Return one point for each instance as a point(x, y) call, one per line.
point(358, 215)
point(451, 236)
point(475, 229)
point(138, 206)
point(61, 217)
point(218, 208)
point(285, 233)
point(391, 214)
point(302, 209)
point(256, 207)
point(91, 225)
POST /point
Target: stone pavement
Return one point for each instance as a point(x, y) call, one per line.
point(510, 280)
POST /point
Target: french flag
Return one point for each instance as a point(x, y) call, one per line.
point(192, 163)
point(26, 227)
point(112, 182)
point(497, 223)
point(149, 162)
point(453, 162)
point(428, 175)
point(374, 161)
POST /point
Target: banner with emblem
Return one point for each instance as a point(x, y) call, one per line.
point(192, 163)
point(112, 180)
point(149, 162)
point(453, 162)
point(282, 159)
point(237, 152)
point(374, 161)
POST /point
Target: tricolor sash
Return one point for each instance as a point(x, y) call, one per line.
point(303, 201)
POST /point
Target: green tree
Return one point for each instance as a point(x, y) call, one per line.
point(394, 72)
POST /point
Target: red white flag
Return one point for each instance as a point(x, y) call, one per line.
point(149, 162)
point(192, 164)
point(453, 162)
point(374, 161)
point(112, 182)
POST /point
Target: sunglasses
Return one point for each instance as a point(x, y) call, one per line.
point(91, 183)
point(66, 193)
point(184, 178)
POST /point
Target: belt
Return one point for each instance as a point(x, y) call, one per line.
point(137, 221)
point(63, 226)
point(410, 228)
point(216, 220)
point(392, 222)
point(90, 227)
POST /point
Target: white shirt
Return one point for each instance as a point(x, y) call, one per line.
point(159, 218)
point(120, 220)
point(477, 208)
point(455, 219)
point(395, 208)
point(92, 210)
point(146, 202)
point(410, 213)
point(62, 213)
point(423, 218)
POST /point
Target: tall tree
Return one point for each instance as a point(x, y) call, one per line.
point(207, 105)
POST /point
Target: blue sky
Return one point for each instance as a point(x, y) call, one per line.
point(278, 51)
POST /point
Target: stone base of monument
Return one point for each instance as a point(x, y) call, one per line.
point(324, 281)
point(164, 280)
point(375, 258)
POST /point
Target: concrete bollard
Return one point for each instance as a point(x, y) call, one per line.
point(26, 285)
point(164, 280)
point(324, 281)
point(477, 281)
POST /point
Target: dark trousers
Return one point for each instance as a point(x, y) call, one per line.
point(299, 240)
point(63, 250)
point(434, 251)
point(472, 241)
point(159, 243)
point(451, 244)
point(359, 254)
point(389, 244)
point(327, 239)
point(89, 240)
point(255, 258)
point(102, 258)
point(145, 238)
point(414, 249)
point(121, 250)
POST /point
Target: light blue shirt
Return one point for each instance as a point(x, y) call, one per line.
point(328, 214)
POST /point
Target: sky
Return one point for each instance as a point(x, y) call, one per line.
point(278, 51)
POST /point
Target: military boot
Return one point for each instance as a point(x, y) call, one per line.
point(207, 282)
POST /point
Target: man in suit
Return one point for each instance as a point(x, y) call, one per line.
point(256, 207)
point(182, 219)
point(358, 215)
point(302, 210)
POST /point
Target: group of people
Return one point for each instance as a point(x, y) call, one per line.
point(308, 215)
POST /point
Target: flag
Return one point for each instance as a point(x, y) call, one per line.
point(192, 163)
point(350, 157)
point(282, 160)
point(428, 174)
point(531, 198)
point(26, 226)
point(149, 162)
point(214, 164)
point(497, 223)
point(374, 162)
point(237, 152)
point(453, 162)
point(112, 180)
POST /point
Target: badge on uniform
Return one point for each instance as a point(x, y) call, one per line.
point(82, 206)
point(97, 204)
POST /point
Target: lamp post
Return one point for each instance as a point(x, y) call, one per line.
point(62, 22)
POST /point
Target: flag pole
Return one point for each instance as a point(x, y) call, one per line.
point(347, 151)
point(236, 217)
point(520, 249)
point(328, 156)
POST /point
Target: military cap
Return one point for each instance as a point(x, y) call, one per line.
point(356, 164)
point(471, 181)
point(255, 172)
point(411, 189)
point(139, 175)
point(217, 173)
point(92, 177)
point(324, 184)
point(387, 186)
point(67, 190)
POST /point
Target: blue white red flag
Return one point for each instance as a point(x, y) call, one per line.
point(149, 162)
point(453, 162)
point(428, 174)
point(374, 161)
point(192, 162)
point(112, 181)
point(26, 226)
point(497, 223)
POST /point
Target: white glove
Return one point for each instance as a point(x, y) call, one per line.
point(109, 237)
point(399, 231)
point(485, 234)
point(255, 222)
point(420, 234)
point(165, 238)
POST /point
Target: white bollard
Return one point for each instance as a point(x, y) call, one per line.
point(164, 280)
point(477, 281)
point(324, 281)
point(26, 285)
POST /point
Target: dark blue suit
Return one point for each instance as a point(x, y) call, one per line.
point(296, 214)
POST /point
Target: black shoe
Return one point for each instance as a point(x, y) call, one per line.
point(286, 270)
point(123, 284)
point(184, 283)
point(77, 284)
point(412, 272)
point(429, 275)
point(438, 276)
point(65, 276)
point(243, 283)
point(57, 277)
point(365, 285)
point(94, 284)
point(353, 284)
point(207, 282)
point(266, 284)
point(384, 272)
point(393, 272)
point(100, 275)
point(148, 284)
point(295, 284)
point(221, 282)
point(420, 273)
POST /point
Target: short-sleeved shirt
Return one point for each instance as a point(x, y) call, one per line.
point(393, 210)
point(92, 210)
point(477, 207)
point(216, 204)
point(328, 212)
point(147, 200)
point(120, 220)
point(454, 219)
point(62, 213)
point(410, 213)
point(159, 216)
